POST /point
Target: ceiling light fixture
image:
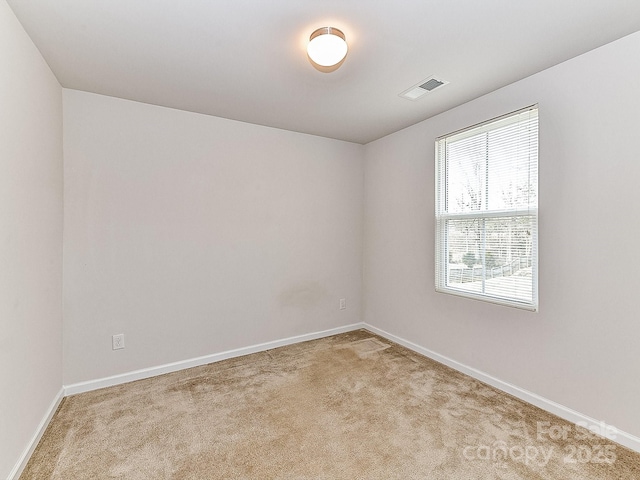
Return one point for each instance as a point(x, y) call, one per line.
point(327, 46)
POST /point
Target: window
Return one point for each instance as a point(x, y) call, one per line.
point(487, 211)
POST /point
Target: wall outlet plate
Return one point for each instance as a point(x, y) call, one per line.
point(117, 341)
point(343, 303)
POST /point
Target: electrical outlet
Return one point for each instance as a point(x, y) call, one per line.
point(343, 303)
point(117, 341)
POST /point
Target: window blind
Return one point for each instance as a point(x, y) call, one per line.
point(487, 211)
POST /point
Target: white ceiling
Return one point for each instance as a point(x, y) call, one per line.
point(246, 60)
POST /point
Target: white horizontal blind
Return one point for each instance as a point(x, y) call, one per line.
point(487, 211)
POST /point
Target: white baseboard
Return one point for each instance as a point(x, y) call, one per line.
point(626, 439)
point(196, 362)
point(44, 423)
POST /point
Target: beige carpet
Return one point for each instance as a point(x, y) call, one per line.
point(351, 406)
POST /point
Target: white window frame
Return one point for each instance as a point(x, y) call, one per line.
point(442, 216)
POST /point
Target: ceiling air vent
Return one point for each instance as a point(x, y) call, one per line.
point(426, 86)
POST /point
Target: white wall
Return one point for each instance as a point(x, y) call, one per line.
point(30, 239)
point(581, 349)
point(193, 235)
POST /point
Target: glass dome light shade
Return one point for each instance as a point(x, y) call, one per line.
point(327, 46)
